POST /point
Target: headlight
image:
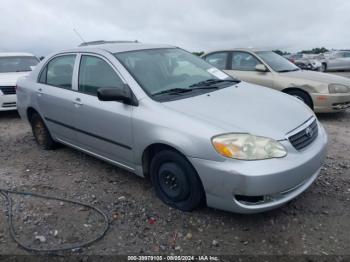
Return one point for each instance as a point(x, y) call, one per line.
point(248, 147)
point(338, 88)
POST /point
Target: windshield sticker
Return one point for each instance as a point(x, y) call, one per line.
point(216, 72)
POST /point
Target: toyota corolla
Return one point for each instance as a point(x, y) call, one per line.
point(200, 136)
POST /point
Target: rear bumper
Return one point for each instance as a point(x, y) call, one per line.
point(272, 182)
point(328, 103)
point(8, 102)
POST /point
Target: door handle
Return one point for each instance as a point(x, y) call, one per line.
point(78, 102)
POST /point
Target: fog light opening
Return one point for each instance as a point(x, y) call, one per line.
point(250, 199)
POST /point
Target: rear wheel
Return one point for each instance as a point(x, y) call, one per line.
point(175, 181)
point(41, 133)
point(301, 95)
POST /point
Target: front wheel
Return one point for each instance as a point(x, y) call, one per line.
point(324, 67)
point(175, 181)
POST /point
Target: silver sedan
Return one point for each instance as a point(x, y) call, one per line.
point(334, 61)
point(200, 136)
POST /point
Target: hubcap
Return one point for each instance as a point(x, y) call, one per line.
point(173, 182)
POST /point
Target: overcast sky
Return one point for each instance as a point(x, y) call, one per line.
point(44, 26)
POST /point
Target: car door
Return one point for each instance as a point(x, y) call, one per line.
point(54, 96)
point(103, 128)
point(335, 61)
point(344, 61)
point(242, 65)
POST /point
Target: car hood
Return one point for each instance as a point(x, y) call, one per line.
point(10, 79)
point(316, 76)
point(246, 108)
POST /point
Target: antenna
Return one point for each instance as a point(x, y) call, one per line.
point(77, 33)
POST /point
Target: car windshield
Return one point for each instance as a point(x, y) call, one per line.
point(17, 63)
point(170, 71)
point(277, 62)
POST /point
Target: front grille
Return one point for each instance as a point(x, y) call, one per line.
point(10, 104)
point(305, 137)
point(8, 90)
point(341, 106)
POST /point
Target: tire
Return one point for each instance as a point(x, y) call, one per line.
point(324, 67)
point(176, 182)
point(41, 133)
point(302, 96)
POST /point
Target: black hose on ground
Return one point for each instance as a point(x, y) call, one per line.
point(6, 192)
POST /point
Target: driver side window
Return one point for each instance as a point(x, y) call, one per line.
point(95, 73)
point(244, 61)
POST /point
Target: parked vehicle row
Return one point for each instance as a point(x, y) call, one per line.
point(330, 61)
point(200, 135)
point(321, 92)
point(12, 67)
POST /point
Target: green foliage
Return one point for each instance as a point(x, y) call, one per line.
point(317, 50)
point(279, 52)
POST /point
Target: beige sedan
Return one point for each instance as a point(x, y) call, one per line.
point(322, 92)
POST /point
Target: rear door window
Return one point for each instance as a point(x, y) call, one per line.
point(59, 72)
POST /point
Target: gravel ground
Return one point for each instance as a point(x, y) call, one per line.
point(317, 222)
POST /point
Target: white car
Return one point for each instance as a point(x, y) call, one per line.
point(12, 67)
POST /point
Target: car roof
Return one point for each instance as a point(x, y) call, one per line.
point(9, 54)
point(119, 47)
point(236, 49)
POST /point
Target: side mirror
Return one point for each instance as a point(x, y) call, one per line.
point(123, 95)
point(261, 68)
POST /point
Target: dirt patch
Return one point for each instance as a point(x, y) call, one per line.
point(317, 222)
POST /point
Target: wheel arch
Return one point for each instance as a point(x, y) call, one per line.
point(30, 112)
point(150, 151)
point(289, 89)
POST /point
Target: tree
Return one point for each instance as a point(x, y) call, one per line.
point(317, 50)
point(279, 52)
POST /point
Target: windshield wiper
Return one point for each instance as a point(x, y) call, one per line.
point(176, 91)
point(211, 82)
point(207, 84)
point(286, 71)
point(172, 91)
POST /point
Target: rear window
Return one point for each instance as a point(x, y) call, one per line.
point(59, 72)
point(17, 64)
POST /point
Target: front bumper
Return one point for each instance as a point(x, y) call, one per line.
point(272, 182)
point(328, 103)
point(8, 102)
